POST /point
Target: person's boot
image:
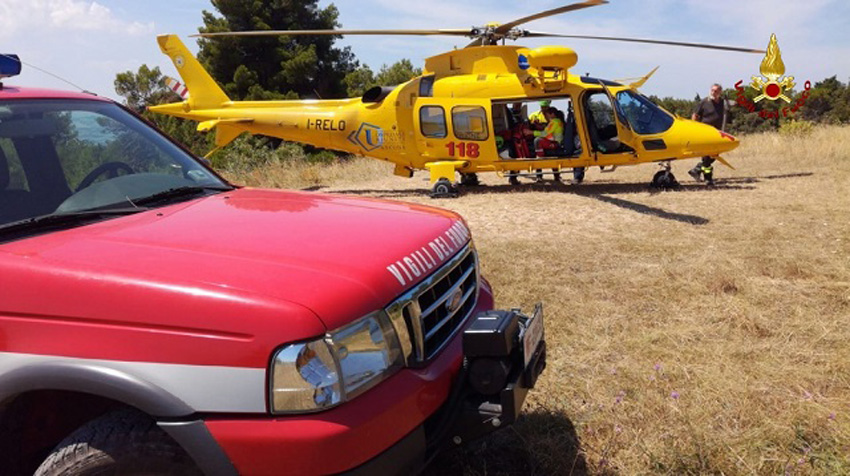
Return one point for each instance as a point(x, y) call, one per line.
point(557, 176)
point(578, 175)
point(696, 173)
point(539, 175)
point(513, 180)
point(709, 177)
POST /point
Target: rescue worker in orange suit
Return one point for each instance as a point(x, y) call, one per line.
point(711, 110)
point(550, 138)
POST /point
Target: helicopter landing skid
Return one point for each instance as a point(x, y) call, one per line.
point(664, 178)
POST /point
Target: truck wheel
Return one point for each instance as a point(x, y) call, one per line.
point(118, 443)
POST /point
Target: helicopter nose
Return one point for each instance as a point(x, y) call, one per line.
point(728, 141)
point(704, 139)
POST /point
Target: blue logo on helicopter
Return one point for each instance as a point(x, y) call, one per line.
point(368, 136)
point(523, 62)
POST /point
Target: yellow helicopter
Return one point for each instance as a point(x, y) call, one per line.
point(467, 112)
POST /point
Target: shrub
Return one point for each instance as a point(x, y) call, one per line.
point(796, 128)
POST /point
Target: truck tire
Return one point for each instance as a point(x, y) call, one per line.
point(118, 443)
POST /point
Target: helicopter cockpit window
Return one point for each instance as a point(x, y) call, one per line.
point(470, 123)
point(432, 121)
point(643, 115)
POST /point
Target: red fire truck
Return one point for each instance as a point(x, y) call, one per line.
point(156, 319)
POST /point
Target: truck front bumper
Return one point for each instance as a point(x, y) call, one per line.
point(467, 414)
point(396, 427)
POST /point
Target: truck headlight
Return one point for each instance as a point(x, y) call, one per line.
point(320, 374)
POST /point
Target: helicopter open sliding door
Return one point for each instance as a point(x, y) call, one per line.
point(611, 138)
point(454, 129)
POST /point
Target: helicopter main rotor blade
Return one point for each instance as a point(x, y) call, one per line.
point(443, 31)
point(504, 28)
point(539, 34)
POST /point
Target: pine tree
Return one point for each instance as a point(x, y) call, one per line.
point(269, 67)
point(360, 80)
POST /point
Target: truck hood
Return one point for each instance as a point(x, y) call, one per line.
point(339, 256)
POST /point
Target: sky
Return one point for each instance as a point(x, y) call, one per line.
point(88, 42)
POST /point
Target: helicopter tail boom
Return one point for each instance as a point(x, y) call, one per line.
point(205, 92)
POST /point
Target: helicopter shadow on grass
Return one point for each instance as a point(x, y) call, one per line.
point(604, 193)
point(539, 442)
point(598, 190)
point(764, 177)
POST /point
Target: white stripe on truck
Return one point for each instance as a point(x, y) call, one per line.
point(204, 388)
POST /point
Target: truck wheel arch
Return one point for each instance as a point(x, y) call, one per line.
point(107, 384)
point(95, 380)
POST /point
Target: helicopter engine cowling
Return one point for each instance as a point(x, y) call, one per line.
point(377, 94)
point(552, 57)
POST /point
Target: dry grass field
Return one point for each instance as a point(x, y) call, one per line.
point(698, 331)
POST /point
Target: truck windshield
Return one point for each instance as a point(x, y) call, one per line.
point(643, 115)
point(63, 156)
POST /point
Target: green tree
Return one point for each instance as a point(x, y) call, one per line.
point(361, 79)
point(399, 72)
point(144, 88)
point(269, 67)
point(828, 101)
point(680, 107)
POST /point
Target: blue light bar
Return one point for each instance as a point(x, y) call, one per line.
point(10, 65)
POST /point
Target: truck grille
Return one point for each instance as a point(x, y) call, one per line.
point(434, 310)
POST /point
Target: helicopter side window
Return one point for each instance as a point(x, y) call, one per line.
point(432, 122)
point(643, 115)
point(470, 123)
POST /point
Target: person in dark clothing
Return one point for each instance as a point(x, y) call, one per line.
point(711, 110)
point(519, 149)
